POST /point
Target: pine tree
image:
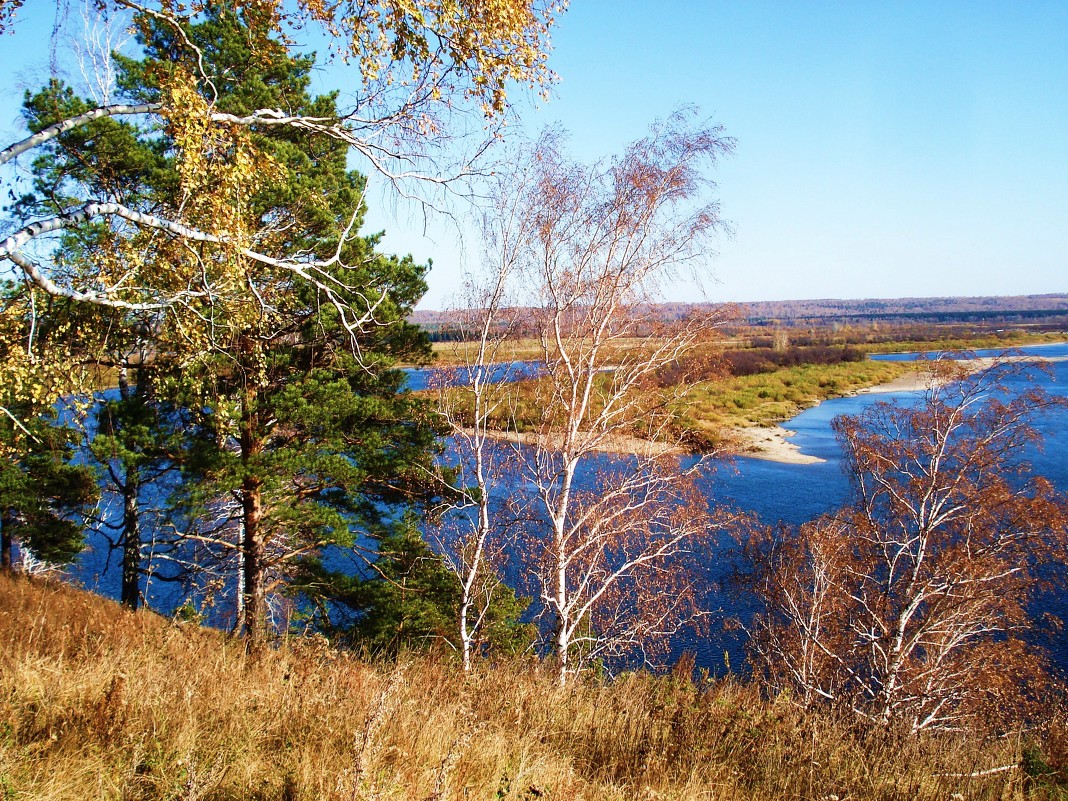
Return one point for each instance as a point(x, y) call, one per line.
point(44, 491)
point(139, 443)
point(304, 439)
point(406, 598)
point(109, 158)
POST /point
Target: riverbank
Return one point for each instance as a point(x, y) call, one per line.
point(740, 415)
point(772, 442)
point(757, 441)
point(621, 444)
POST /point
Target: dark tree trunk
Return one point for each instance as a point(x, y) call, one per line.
point(130, 595)
point(131, 541)
point(253, 544)
point(7, 523)
point(254, 601)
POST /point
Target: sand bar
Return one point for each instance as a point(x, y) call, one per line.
point(770, 443)
point(614, 443)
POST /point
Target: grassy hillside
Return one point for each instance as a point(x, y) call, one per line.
point(101, 703)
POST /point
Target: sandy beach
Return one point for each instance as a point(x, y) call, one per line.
point(615, 443)
point(909, 382)
point(770, 443)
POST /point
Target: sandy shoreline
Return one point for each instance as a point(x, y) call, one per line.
point(615, 443)
point(757, 442)
point(771, 443)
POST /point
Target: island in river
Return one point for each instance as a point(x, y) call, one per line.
point(773, 443)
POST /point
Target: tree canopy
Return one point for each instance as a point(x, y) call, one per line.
point(295, 435)
point(910, 605)
point(166, 175)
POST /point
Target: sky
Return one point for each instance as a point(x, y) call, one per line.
point(883, 149)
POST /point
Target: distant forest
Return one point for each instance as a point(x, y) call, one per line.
point(1014, 310)
point(1010, 309)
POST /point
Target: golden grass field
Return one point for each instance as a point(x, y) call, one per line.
point(100, 703)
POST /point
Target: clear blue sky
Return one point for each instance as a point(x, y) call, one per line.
point(884, 149)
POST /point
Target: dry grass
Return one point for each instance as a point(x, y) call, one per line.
point(457, 354)
point(101, 703)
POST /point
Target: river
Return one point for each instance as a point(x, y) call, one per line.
point(790, 493)
point(794, 493)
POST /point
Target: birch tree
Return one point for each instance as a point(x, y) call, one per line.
point(430, 86)
point(912, 605)
point(597, 245)
point(473, 397)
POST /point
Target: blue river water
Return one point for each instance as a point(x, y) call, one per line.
point(773, 491)
point(419, 378)
point(795, 493)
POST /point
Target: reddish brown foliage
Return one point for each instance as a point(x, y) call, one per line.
point(911, 604)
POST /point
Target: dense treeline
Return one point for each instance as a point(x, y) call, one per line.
point(258, 429)
point(986, 311)
point(1049, 318)
point(764, 358)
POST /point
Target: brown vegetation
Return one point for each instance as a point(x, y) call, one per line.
point(583, 251)
point(911, 603)
point(99, 702)
point(765, 360)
